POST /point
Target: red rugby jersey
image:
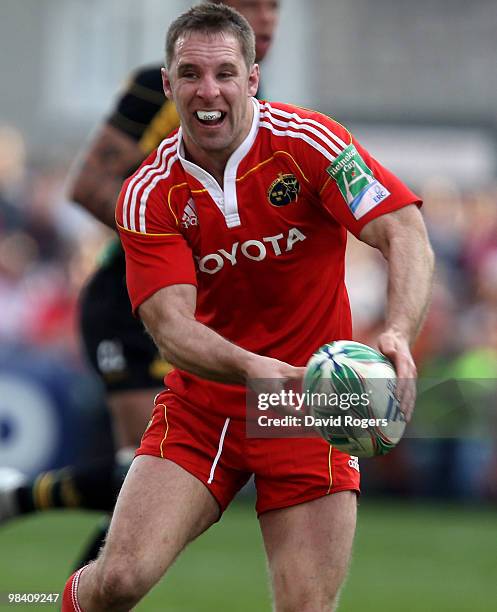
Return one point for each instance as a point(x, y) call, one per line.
point(267, 252)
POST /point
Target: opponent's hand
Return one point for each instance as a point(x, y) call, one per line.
point(395, 346)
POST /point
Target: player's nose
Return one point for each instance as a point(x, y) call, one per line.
point(208, 88)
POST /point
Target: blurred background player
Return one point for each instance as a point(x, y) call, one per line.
point(115, 343)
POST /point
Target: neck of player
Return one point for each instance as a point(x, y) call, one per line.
point(214, 160)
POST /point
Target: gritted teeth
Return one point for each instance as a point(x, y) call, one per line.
point(209, 115)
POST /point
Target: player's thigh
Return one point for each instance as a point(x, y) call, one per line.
point(160, 509)
point(308, 548)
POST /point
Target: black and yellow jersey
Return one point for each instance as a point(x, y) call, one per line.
point(142, 112)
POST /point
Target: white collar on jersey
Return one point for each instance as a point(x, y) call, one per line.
point(225, 200)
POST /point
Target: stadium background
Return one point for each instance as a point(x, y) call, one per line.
point(416, 83)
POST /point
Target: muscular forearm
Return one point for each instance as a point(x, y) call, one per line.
point(410, 264)
point(188, 344)
point(402, 239)
point(194, 347)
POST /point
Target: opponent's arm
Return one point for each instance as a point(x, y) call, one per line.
point(169, 316)
point(402, 239)
point(98, 176)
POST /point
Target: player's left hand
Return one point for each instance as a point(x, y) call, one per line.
point(395, 346)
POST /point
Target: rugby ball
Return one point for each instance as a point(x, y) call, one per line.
point(349, 390)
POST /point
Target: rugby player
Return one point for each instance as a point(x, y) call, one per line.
point(234, 231)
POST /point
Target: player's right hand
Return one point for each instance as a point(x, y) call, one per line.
point(266, 375)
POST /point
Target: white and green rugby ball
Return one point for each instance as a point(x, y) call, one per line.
point(350, 393)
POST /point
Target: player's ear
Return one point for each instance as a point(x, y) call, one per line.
point(254, 77)
point(166, 83)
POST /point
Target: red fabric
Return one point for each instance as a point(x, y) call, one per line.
point(287, 471)
point(164, 261)
point(274, 282)
point(70, 601)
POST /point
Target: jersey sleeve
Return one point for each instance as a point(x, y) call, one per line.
point(157, 254)
point(142, 111)
point(353, 187)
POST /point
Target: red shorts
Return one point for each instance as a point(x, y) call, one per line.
point(215, 449)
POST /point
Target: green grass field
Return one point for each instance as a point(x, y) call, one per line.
point(412, 558)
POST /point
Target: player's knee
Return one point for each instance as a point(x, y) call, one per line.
point(120, 587)
point(307, 603)
point(306, 597)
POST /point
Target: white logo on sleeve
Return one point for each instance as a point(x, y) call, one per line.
point(189, 217)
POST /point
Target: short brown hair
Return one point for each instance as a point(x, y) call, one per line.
point(212, 18)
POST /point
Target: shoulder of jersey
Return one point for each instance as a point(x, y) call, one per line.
point(160, 171)
point(302, 128)
point(160, 164)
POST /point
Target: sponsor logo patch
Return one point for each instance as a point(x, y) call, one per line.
point(356, 182)
point(255, 250)
point(283, 190)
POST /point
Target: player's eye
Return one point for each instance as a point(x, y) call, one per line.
point(189, 74)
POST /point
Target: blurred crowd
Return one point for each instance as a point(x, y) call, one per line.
point(48, 247)
point(463, 314)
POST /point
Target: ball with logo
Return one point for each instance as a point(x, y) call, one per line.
point(350, 392)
